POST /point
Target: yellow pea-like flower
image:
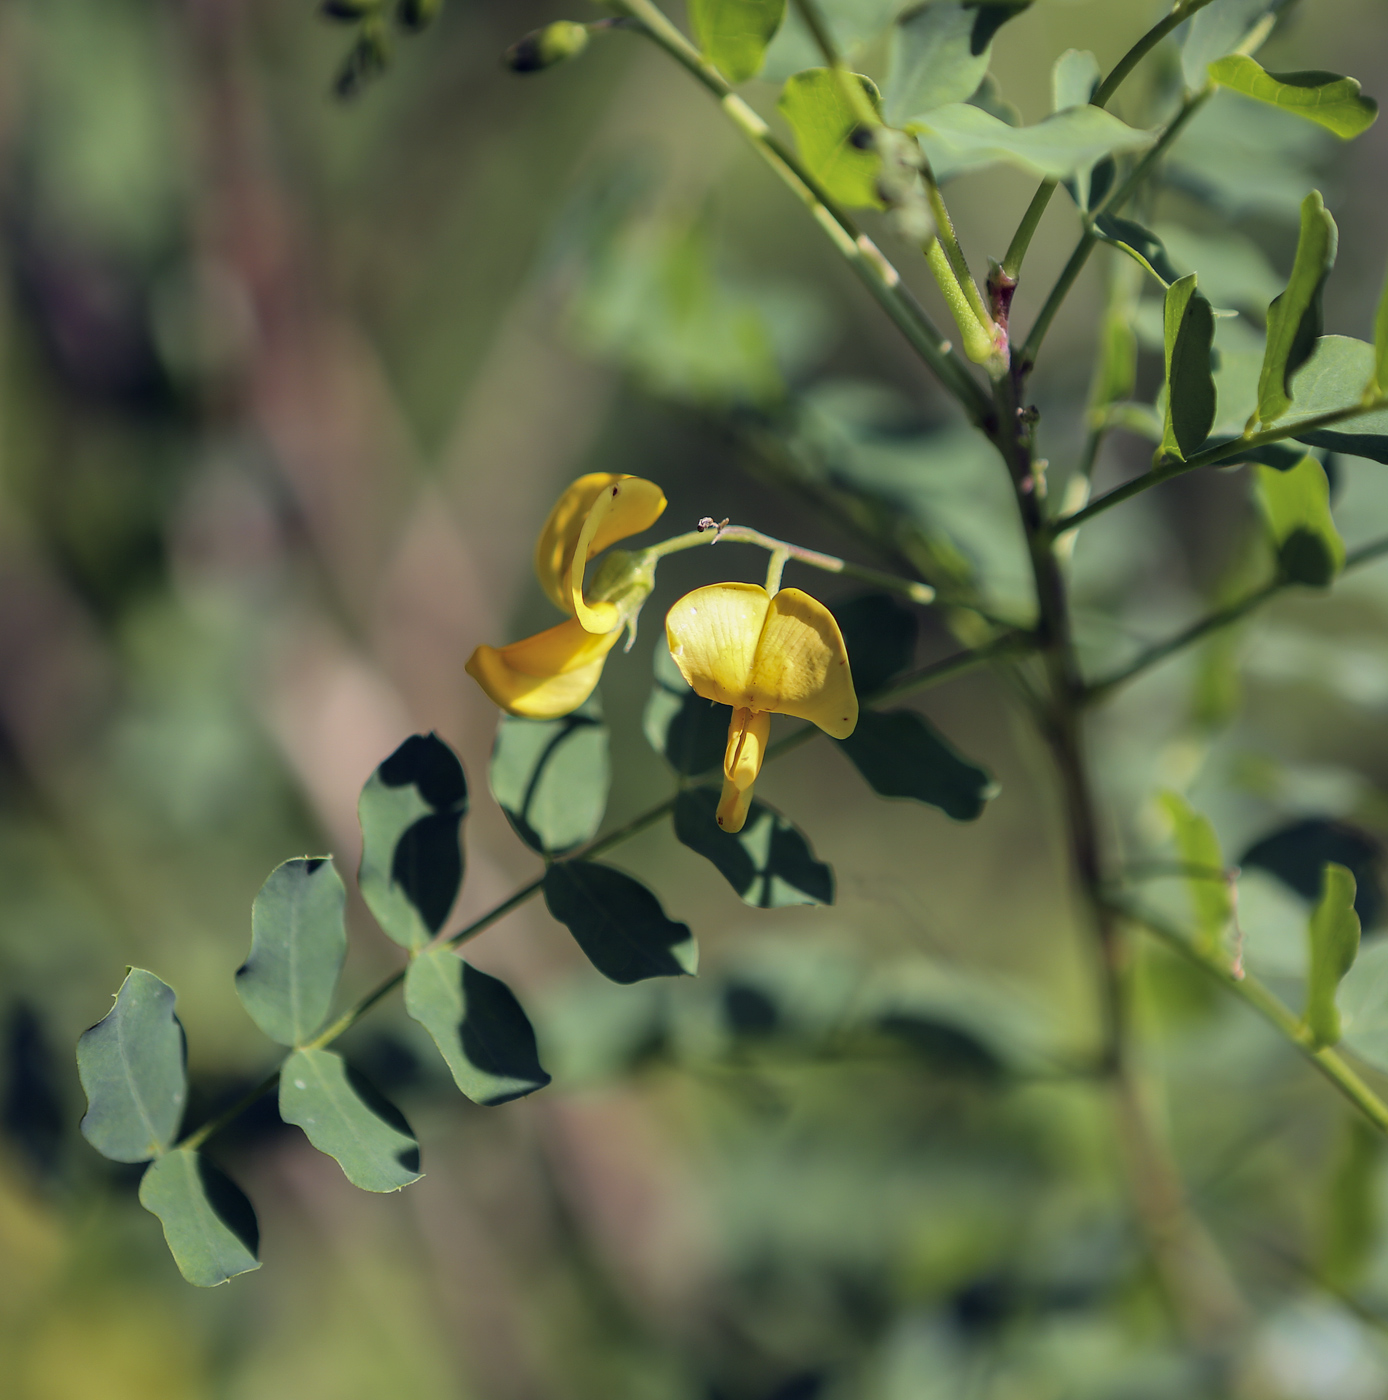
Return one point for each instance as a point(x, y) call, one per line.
point(738, 645)
point(554, 672)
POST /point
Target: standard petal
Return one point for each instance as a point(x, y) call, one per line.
point(554, 551)
point(624, 507)
point(545, 676)
point(748, 734)
point(713, 634)
point(801, 665)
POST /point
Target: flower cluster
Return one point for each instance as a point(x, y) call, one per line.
point(760, 652)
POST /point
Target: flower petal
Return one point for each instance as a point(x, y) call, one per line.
point(628, 505)
point(545, 676)
point(554, 551)
point(748, 734)
point(733, 806)
point(801, 665)
point(713, 634)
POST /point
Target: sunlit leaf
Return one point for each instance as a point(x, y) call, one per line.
point(551, 777)
point(1188, 322)
point(1204, 876)
point(1334, 936)
point(131, 1064)
point(618, 922)
point(343, 1116)
point(769, 862)
point(1296, 505)
point(482, 1033)
point(962, 137)
point(411, 862)
point(1336, 377)
point(1324, 98)
point(1296, 318)
point(901, 755)
point(827, 127)
point(688, 731)
point(298, 942)
point(209, 1224)
point(733, 34)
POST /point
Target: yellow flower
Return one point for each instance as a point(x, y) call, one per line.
point(738, 645)
point(555, 671)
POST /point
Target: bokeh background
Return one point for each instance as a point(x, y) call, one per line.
point(287, 386)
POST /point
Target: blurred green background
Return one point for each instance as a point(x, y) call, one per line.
point(287, 387)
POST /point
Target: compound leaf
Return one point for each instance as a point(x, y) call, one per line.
point(551, 778)
point(1188, 328)
point(411, 860)
point(618, 922)
point(901, 754)
point(826, 125)
point(769, 862)
point(1334, 935)
point(1296, 504)
point(482, 1033)
point(733, 34)
point(1327, 99)
point(298, 942)
point(209, 1224)
point(131, 1064)
point(344, 1116)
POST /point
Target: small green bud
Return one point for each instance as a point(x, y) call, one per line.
point(543, 48)
point(417, 14)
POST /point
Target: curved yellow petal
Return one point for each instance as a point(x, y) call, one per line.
point(554, 551)
point(733, 806)
point(544, 676)
point(626, 506)
point(713, 634)
point(801, 665)
point(748, 734)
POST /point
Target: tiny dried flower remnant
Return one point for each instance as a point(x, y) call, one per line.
point(555, 671)
point(738, 645)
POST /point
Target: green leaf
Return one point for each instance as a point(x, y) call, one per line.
point(1324, 98)
point(880, 634)
point(1296, 505)
point(940, 54)
point(131, 1064)
point(1353, 1213)
point(733, 34)
point(618, 922)
point(298, 942)
point(1363, 1005)
point(1219, 29)
point(961, 138)
point(1074, 79)
point(478, 1025)
point(343, 1116)
point(769, 862)
point(825, 124)
point(1335, 377)
point(1381, 344)
point(209, 1224)
point(1296, 318)
point(1334, 935)
point(1198, 847)
point(551, 777)
point(1188, 324)
point(1296, 855)
point(1144, 247)
point(411, 860)
point(853, 24)
point(901, 755)
point(689, 732)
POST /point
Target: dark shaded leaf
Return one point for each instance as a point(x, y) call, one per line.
point(345, 1117)
point(946, 1048)
point(209, 1224)
point(691, 733)
point(1188, 331)
point(551, 777)
point(769, 862)
point(412, 863)
point(1143, 246)
point(298, 942)
point(1296, 504)
point(1297, 854)
point(901, 755)
point(478, 1025)
point(618, 922)
point(131, 1065)
point(880, 634)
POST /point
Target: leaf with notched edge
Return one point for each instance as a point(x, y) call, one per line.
point(209, 1224)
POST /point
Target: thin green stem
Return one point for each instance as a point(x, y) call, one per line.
point(878, 275)
point(1026, 230)
point(215, 1124)
point(916, 591)
point(1248, 989)
point(1222, 452)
